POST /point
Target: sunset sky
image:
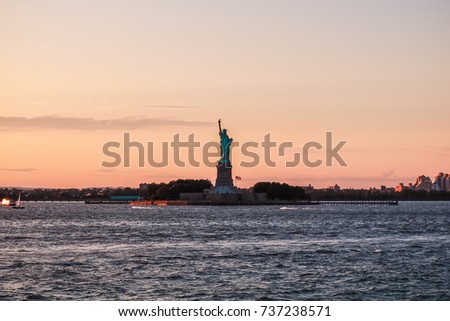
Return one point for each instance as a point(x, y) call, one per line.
point(77, 74)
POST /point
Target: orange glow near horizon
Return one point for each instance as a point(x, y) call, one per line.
point(76, 75)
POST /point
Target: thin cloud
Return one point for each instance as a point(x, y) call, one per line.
point(380, 149)
point(78, 123)
point(172, 107)
point(18, 169)
point(106, 170)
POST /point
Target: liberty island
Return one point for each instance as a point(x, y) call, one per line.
point(224, 191)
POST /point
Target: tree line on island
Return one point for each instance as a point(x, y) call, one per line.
point(172, 190)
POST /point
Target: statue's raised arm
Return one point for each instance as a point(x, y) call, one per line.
point(225, 142)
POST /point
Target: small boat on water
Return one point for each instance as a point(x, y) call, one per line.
point(8, 202)
point(141, 204)
point(17, 204)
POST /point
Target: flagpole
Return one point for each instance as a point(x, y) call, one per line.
point(237, 178)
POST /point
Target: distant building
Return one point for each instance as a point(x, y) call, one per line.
point(386, 190)
point(143, 186)
point(401, 187)
point(442, 182)
point(434, 187)
point(336, 188)
point(423, 183)
point(308, 188)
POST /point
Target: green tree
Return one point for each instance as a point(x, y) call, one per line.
point(279, 191)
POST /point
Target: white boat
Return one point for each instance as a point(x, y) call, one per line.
point(17, 205)
point(8, 202)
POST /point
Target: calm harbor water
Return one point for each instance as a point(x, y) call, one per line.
point(73, 251)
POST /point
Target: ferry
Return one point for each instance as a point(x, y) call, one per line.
point(8, 202)
point(141, 204)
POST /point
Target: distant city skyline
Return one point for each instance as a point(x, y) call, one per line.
point(78, 74)
point(424, 183)
point(441, 182)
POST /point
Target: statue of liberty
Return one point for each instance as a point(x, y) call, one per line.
point(225, 143)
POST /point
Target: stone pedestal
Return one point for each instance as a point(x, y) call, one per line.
point(224, 175)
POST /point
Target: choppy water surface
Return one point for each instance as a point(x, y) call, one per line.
point(69, 251)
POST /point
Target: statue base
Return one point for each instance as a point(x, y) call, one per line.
point(224, 176)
